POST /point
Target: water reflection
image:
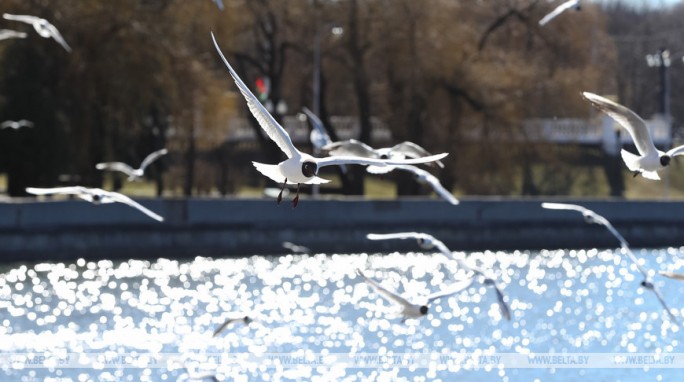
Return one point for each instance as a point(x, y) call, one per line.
point(159, 316)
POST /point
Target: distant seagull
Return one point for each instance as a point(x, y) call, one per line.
point(673, 275)
point(560, 9)
point(592, 217)
point(42, 26)
point(16, 124)
point(426, 241)
point(319, 137)
point(299, 167)
point(8, 33)
point(219, 4)
point(352, 147)
point(424, 177)
point(133, 174)
point(296, 248)
point(95, 196)
point(651, 159)
point(245, 320)
point(409, 310)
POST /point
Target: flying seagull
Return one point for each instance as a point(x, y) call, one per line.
point(133, 174)
point(42, 26)
point(319, 136)
point(560, 9)
point(424, 177)
point(352, 147)
point(427, 241)
point(650, 159)
point(296, 248)
point(246, 320)
point(16, 124)
point(592, 217)
point(8, 33)
point(299, 167)
point(95, 196)
point(408, 309)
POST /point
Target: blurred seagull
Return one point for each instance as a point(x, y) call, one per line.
point(409, 310)
point(219, 4)
point(592, 217)
point(299, 167)
point(95, 196)
point(296, 248)
point(424, 177)
point(8, 33)
point(246, 320)
point(319, 136)
point(133, 174)
point(16, 124)
point(650, 159)
point(352, 147)
point(42, 26)
point(426, 241)
point(560, 9)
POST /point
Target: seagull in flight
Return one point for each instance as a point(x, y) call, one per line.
point(299, 167)
point(133, 173)
point(560, 9)
point(296, 248)
point(245, 320)
point(352, 147)
point(592, 217)
point(650, 159)
point(16, 124)
point(95, 196)
point(408, 309)
point(42, 27)
point(319, 136)
point(8, 33)
point(427, 241)
point(423, 177)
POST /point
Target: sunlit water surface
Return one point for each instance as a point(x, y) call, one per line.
point(586, 301)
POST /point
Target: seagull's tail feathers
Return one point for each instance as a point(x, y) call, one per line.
point(270, 171)
point(650, 175)
point(317, 180)
point(631, 160)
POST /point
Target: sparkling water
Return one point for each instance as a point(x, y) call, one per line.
point(315, 319)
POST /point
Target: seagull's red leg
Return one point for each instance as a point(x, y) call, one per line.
point(295, 201)
point(280, 195)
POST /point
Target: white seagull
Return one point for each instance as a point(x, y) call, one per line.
point(426, 241)
point(42, 27)
point(16, 124)
point(245, 320)
point(592, 217)
point(650, 159)
point(560, 9)
point(423, 177)
point(296, 248)
point(299, 167)
point(95, 196)
point(8, 33)
point(410, 310)
point(133, 174)
point(352, 147)
point(319, 137)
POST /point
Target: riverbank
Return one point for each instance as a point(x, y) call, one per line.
point(65, 230)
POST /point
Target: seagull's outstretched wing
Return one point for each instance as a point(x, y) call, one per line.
point(121, 198)
point(673, 275)
point(503, 307)
point(412, 150)
point(276, 132)
point(152, 157)
point(54, 33)
point(21, 18)
point(319, 136)
point(557, 11)
point(563, 206)
point(340, 160)
point(116, 166)
point(397, 235)
point(390, 296)
point(452, 289)
point(219, 4)
point(351, 147)
point(629, 120)
point(295, 248)
point(8, 33)
point(432, 181)
point(73, 190)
